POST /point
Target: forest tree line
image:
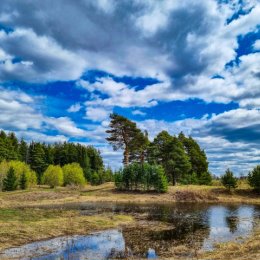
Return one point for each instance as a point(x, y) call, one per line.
point(40, 155)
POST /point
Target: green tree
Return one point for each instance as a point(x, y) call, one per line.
point(10, 181)
point(122, 135)
point(197, 156)
point(205, 179)
point(23, 181)
point(141, 177)
point(170, 153)
point(37, 159)
point(228, 180)
point(53, 176)
point(254, 178)
point(139, 151)
point(95, 179)
point(73, 174)
point(23, 151)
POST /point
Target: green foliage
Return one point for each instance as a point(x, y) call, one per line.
point(95, 179)
point(40, 155)
point(205, 179)
point(37, 160)
point(169, 152)
point(123, 134)
point(3, 171)
point(228, 180)
point(23, 182)
point(254, 178)
point(141, 177)
point(189, 179)
point(20, 169)
point(73, 174)
point(10, 181)
point(160, 183)
point(197, 156)
point(53, 176)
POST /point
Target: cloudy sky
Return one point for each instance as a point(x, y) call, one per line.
point(191, 66)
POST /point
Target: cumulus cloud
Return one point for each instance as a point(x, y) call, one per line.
point(186, 45)
point(18, 112)
point(97, 113)
point(39, 58)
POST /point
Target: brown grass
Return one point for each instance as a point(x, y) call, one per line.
point(107, 192)
point(20, 226)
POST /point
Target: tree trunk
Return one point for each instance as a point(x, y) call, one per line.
point(126, 156)
point(173, 180)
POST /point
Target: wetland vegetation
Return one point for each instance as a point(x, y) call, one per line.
point(59, 201)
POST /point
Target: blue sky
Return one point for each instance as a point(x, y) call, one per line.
point(191, 66)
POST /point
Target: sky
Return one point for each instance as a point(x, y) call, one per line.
point(191, 66)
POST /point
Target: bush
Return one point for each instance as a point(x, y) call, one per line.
point(141, 177)
point(254, 178)
point(3, 171)
point(95, 179)
point(20, 169)
point(53, 176)
point(73, 174)
point(228, 180)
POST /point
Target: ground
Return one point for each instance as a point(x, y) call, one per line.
point(20, 226)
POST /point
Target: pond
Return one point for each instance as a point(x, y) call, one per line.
point(162, 230)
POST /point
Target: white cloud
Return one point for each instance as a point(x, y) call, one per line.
point(74, 108)
point(256, 45)
point(97, 113)
point(18, 112)
point(138, 112)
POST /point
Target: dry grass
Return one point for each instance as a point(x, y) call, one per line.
point(107, 192)
point(23, 226)
point(248, 250)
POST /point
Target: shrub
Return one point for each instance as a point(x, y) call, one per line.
point(141, 177)
point(3, 171)
point(73, 174)
point(20, 169)
point(95, 179)
point(161, 184)
point(10, 181)
point(53, 176)
point(228, 180)
point(254, 178)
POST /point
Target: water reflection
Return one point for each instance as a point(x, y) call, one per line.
point(160, 232)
